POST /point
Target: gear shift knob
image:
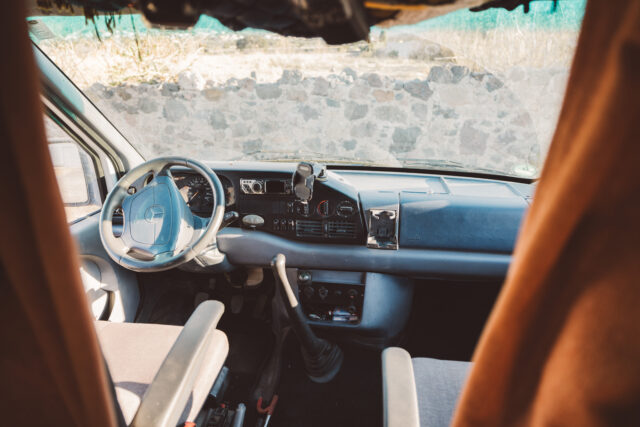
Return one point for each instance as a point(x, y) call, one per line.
point(322, 359)
point(280, 271)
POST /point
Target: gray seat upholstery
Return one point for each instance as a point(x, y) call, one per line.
point(438, 385)
point(134, 353)
point(421, 391)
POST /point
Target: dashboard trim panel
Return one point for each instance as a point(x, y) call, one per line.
point(256, 248)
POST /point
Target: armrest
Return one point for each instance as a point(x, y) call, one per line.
point(399, 395)
point(168, 394)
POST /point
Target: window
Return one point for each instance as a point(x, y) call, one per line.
point(75, 173)
point(472, 92)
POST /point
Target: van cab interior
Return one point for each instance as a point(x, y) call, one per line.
point(286, 287)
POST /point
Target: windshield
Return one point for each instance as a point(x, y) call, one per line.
point(478, 92)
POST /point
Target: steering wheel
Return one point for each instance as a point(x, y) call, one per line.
point(159, 230)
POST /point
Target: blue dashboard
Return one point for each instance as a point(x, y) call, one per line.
point(436, 225)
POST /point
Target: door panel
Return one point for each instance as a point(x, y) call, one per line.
point(103, 276)
point(112, 292)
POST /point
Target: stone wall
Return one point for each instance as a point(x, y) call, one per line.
point(502, 122)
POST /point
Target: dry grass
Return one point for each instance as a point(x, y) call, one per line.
point(118, 60)
point(161, 57)
point(499, 50)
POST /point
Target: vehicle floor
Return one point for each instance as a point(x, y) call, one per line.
point(448, 316)
point(353, 398)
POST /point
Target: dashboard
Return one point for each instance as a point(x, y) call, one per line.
point(412, 224)
point(332, 214)
point(356, 241)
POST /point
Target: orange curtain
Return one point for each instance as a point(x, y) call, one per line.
point(51, 370)
point(562, 346)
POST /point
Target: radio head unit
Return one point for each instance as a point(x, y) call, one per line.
point(265, 186)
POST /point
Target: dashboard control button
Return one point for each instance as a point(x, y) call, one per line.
point(345, 209)
point(253, 221)
point(302, 209)
point(324, 208)
point(323, 292)
point(304, 276)
point(308, 292)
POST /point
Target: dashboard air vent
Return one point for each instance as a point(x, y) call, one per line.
point(305, 228)
point(341, 229)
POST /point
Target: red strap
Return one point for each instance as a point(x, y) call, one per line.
point(269, 409)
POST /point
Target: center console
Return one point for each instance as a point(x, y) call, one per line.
point(332, 296)
point(373, 308)
point(314, 205)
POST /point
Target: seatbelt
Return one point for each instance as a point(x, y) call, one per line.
point(114, 397)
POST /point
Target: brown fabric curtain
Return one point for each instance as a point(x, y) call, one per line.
point(562, 346)
point(51, 369)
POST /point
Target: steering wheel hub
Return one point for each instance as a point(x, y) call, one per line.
point(154, 214)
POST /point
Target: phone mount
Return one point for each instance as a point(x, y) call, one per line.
point(304, 177)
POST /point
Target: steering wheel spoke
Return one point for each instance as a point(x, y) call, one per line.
point(141, 254)
point(159, 230)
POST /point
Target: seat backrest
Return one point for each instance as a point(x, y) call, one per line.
point(50, 363)
point(561, 346)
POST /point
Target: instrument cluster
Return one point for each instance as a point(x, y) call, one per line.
point(197, 192)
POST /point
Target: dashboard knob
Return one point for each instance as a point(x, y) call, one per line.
point(257, 187)
point(308, 292)
point(253, 221)
point(304, 277)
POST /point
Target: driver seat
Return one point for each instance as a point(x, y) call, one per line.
point(162, 374)
point(53, 353)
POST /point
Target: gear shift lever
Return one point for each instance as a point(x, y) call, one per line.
point(322, 359)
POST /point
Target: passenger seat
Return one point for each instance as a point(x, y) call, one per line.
point(421, 391)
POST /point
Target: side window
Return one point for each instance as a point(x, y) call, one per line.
point(75, 173)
